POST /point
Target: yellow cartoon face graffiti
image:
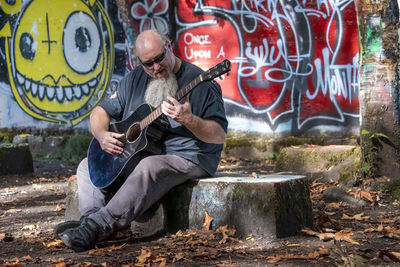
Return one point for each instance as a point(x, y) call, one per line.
point(61, 61)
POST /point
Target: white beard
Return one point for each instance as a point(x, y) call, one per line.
point(158, 90)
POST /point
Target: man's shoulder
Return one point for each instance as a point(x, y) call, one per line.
point(137, 71)
point(190, 68)
point(132, 76)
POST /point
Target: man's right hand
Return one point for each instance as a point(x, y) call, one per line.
point(110, 143)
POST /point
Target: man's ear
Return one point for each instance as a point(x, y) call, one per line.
point(169, 45)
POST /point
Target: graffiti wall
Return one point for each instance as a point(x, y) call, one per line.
point(295, 63)
point(57, 60)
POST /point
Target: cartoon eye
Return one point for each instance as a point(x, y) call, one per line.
point(27, 47)
point(82, 39)
point(81, 42)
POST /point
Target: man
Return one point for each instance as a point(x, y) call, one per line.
point(192, 146)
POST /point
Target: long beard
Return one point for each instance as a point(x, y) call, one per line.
point(158, 90)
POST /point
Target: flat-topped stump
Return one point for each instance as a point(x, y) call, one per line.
point(269, 206)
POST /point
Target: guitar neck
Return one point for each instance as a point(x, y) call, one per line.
point(179, 95)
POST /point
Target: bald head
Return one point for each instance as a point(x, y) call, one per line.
point(148, 41)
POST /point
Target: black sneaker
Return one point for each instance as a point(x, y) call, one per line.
point(64, 226)
point(84, 236)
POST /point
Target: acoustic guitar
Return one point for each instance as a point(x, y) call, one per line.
point(142, 137)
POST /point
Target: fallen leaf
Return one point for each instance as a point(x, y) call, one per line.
point(342, 235)
point(358, 217)
point(226, 232)
point(364, 194)
point(56, 243)
point(333, 205)
point(273, 259)
point(113, 247)
point(59, 208)
point(97, 251)
point(30, 227)
point(207, 221)
point(145, 256)
point(323, 251)
point(59, 264)
point(276, 258)
point(324, 219)
point(345, 235)
point(162, 260)
point(178, 256)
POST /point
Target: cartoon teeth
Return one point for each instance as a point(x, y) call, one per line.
point(60, 58)
point(58, 93)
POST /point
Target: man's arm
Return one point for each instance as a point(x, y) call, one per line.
point(208, 131)
point(99, 123)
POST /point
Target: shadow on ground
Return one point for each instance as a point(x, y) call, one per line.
point(344, 234)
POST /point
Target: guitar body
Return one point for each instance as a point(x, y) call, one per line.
point(105, 168)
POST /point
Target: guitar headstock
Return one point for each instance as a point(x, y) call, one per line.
point(217, 70)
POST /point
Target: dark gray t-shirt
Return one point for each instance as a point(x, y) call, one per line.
point(205, 100)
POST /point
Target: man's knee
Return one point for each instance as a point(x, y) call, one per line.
point(83, 166)
point(147, 163)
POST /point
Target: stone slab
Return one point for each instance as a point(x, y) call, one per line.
point(331, 163)
point(269, 206)
point(15, 159)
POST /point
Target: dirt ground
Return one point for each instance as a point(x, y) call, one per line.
point(344, 234)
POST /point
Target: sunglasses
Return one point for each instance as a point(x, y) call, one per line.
point(157, 59)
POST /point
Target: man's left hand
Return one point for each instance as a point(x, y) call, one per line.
point(181, 113)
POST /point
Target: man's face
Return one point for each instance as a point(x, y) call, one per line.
point(156, 62)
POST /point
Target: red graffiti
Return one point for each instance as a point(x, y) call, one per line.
point(301, 60)
point(292, 60)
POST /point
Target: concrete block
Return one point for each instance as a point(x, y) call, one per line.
point(72, 201)
point(15, 159)
point(39, 145)
point(332, 162)
point(269, 206)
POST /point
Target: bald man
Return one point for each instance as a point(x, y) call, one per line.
point(192, 143)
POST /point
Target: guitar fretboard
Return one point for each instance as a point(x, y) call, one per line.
point(179, 95)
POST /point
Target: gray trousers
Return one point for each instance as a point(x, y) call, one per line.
point(152, 178)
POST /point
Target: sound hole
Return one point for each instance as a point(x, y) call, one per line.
point(133, 133)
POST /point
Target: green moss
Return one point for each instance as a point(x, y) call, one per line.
point(238, 139)
point(393, 188)
point(297, 141)
point(292, 206)
point(282, 160)
point(74, 148)
point(320, 159)
point(237, 193)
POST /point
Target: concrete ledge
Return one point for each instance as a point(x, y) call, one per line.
point(270, 206)
point(15, 159)
point(329, 162)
